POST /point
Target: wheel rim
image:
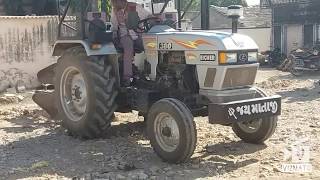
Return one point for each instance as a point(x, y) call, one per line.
point(166, 132)
point(250, 126)
point(73, 94)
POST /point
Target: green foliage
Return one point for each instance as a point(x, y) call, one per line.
point(226, 3)
point(195, 4)
point(76, 5)
point(222, 3)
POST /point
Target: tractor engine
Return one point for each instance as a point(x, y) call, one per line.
point(174, 76)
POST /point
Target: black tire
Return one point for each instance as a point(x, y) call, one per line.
point(101, 92)
point(264, 131)
point(186, 127)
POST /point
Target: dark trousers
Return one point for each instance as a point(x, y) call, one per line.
point(128, 55)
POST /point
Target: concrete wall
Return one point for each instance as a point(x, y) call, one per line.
point(25, 48)
point(262, 36)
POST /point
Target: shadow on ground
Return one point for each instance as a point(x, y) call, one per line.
point(49, 150)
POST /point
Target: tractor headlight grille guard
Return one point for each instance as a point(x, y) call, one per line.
point(238, 57)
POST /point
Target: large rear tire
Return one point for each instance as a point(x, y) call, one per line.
point(85, 90)
point(171, 130)
point(258, 130)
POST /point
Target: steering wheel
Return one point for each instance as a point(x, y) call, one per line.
point(146, 25)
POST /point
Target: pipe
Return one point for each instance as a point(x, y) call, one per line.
point(235, 25)
point(205, 13)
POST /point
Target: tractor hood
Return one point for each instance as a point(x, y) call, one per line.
point(202, 40)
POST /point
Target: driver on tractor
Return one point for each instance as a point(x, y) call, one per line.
point(124, 35)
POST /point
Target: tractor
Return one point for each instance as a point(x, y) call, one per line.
point(178, 75)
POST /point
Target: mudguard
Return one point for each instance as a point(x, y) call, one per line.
point(61, 45)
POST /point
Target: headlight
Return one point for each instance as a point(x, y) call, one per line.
point(252, 56)
point(226, 58)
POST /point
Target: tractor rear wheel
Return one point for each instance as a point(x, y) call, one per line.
point(171, 130)
point(85, 90)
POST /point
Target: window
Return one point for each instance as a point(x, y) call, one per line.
point(308, 35)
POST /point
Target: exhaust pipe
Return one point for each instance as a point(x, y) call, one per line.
point(235, 12)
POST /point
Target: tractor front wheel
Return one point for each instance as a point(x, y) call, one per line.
point(171, 130)
point(256, 131)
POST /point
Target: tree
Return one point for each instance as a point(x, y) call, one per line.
point(221, 3)
point(226, 3)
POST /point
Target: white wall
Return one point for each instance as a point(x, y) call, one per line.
point(262, 36)
point(25, 48)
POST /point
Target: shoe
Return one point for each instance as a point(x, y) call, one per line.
point(126, 83)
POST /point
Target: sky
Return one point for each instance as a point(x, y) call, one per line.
point(253, 2)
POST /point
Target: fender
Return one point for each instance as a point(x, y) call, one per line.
point(61, 45)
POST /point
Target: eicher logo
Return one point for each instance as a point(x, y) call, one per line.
point(253, 109)
point(207, 57)
point(243, 57)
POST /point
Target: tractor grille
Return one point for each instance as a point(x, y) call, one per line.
point(239, 77)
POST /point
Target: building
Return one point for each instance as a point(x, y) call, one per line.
point(255, 23)
point(157, 7)
point(254, 17)
point(27, 7)
point(295, 23)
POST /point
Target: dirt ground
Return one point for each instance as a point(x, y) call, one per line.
point(32, 146)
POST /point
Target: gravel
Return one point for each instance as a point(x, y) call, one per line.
point(32, 146)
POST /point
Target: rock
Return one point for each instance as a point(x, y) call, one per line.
point(167, 168)
point(209, 149)
point(106, 176)
point(276, 169)
point(126, 166)
point(267, 168)
point(12, 90)
point(39, 165)
point(188, 171)
point(99, 157)
point(195, 166)
point(140, 175)
point(170, 173)
point(10, 98)
point(21, 89)
point(154, 170)
point(262, 176)
point(219, 134)
point(25, 112)
point(120, 177)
